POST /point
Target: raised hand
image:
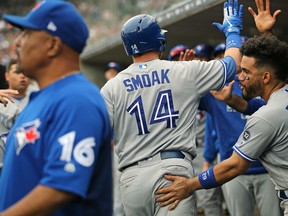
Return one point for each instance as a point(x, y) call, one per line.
point(225, 94)
point(232, 22)
point(187, 55)
point(264, 21)
point(7, 94)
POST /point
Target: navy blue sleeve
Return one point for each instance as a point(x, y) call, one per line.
point(210, 141)
point(254, 105)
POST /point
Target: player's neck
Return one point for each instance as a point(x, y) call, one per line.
point(273, 88)
point(148, 56)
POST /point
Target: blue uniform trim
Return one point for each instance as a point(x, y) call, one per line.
point(254, 105)
point(211, 147)
point(207, 179)
point(233, 40)
point(243, 155)
point(229, 65)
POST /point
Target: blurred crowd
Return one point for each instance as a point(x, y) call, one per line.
point(104, 18)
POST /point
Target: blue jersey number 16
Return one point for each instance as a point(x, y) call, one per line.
point(163, 111)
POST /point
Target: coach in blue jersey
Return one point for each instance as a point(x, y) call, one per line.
point(58, 157)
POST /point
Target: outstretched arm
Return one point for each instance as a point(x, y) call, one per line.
point(264, 20)
point(232, 100)
point(187, 55)
point(232, 26)
point(183, 187)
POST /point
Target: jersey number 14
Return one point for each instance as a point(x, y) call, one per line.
point(163, 110)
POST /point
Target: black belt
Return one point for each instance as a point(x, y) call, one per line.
point(282, 195)
point(163, 155)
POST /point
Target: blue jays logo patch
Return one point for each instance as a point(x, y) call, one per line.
point(246, 135)
point(27, 134)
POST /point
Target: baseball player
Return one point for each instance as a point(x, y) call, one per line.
point(112, 69)
point(175, 52)
point(152, 106)
point(264, 135)
point(229, 125)
point(58, 156)
point(203, 52)
point(207, 201)
point(9, 111)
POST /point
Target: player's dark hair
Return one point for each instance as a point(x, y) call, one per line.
point(269, 52)
point(10, 63)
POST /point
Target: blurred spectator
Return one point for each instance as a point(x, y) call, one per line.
point(9, 112)
point(175, 52)
point(203, 52)
point(112, 69)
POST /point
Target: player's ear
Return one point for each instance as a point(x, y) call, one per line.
point(266, 77)
point(55, 46)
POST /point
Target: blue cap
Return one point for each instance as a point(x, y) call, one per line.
point(244, 39)
point(114, 65)
point(58, 18)
point(176, 50)
point(220, 47)
point(204, 50)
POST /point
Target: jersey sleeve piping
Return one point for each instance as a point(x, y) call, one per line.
point(225, 75)
point(229, 66)
point(237, 150)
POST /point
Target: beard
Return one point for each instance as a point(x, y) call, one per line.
point(252, 91)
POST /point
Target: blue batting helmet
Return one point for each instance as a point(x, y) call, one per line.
point(176, 50)
point(142, 33)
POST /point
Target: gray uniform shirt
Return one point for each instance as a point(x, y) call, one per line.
point(8, 116)
point(265, 136)
point(153, 105)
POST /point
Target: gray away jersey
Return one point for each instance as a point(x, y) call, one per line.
point(8, 116)
point(266, 136)
point(153, 105)
point(9, 113)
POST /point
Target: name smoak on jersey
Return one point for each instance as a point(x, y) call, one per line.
point(146, 80)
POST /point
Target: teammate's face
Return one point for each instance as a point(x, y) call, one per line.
point(31, 51)
point(110, 73)
point(250, 78)
point(16, 80)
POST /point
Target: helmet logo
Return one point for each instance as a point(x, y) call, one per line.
point(135, 48)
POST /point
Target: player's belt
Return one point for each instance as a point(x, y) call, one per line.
point(163, 155)
point(283, 194)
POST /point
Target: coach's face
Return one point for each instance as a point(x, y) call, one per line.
point(32, 48)
point(250, 79)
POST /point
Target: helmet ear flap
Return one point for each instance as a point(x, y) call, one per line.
point(142, 33)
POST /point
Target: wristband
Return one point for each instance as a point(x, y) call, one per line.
point(233, 40)
point(207, 179)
